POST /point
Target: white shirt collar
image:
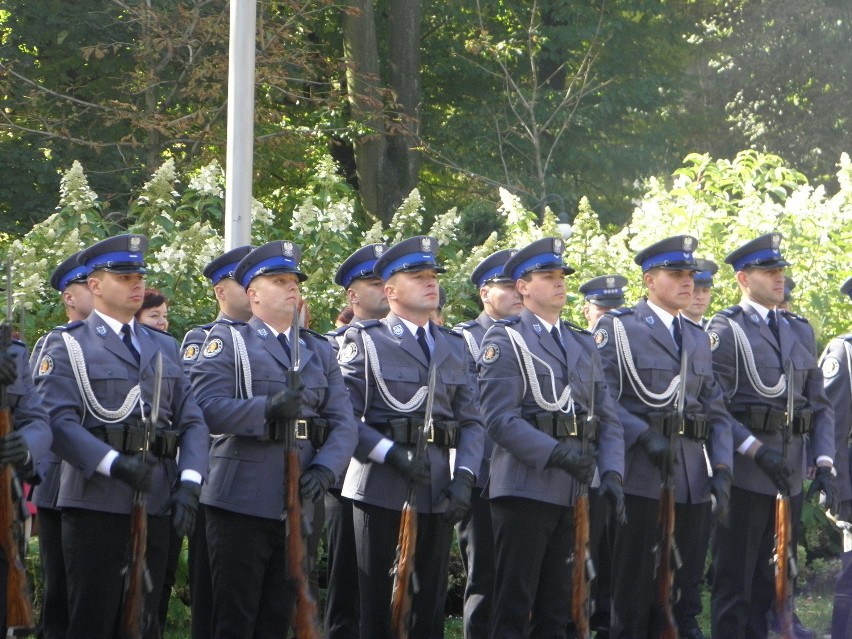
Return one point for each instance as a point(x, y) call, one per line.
point(115, 325)
point(275, 333)
point(666, 317)
point(547, 325)
point(412, 327)
point(761, 310)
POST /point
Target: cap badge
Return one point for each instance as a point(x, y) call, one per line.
point(776, 241)
point(425, 245)
point(287, 248)
point(135, 243)
point(558, 246)
point(688, 243)
point(378, 250)
point(610, 282)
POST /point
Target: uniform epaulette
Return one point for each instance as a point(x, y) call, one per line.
point(464, 325)
point(792, 315)
point(18, 342)
point(449, 331)
point(156, 330)
point(227, 320)
point(310, 331)
point(508, 321)
point(618, 312)
point(575, 328)
point(692, 322)
point(337, 332)
point(70, 326)
point(733, 310)
point(365, 324)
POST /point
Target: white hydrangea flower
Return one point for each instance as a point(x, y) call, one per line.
point(209, 180)
point(74, 190)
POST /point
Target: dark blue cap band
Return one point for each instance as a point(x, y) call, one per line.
point(667, 259)
point(425, 260)
point(118, 258)
point(364, 269)
point(226, 271)
point(78, 274)
point(753, 259)
point(491, 274)
point(542, 261)
point(275, 264)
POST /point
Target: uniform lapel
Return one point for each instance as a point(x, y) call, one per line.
point(147, 347)
point(442, 348)
point(103, 334)
point(269, 341)
point(403, 337)
point(762, 327)
point(657, 328)
point(545, 339)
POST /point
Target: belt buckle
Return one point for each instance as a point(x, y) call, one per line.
point(430, 438)
point(575, 432)
point(301, 429)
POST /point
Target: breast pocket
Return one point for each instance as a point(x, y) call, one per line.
point(111, 382)
point(655, 372)
point(316, 387)
point(402, 381)
point(172, 374)
point(266, 379)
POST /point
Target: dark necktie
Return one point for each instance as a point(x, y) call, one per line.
point(558, 339)
point(677, 334)
point(125, 337)
point(772, 320)
point(424, 345)
point(285, 343)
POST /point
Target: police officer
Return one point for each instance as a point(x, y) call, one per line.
point(642, 349)
point(365, 293)
point(233, 307)
point(536, 374)
point(701, 292)
point(753, 348)
point(240, 381)
point(386, 366)
point(500, 300)
point(602, 294)
point(70, 280)
point(96, 378)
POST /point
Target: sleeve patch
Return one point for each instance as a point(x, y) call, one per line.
point(490, 353)
point(830, 367)
point(348, 353)
point(213, 348)
point(714, 340)
point(601, 338)
point(45, 366)
point(190, 353)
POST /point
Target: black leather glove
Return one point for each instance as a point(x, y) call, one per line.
point(611, 489)
point(657, 447)
point(315, 482)
point(582, 467)
point(720, 487)
point(458, 494)
point(285, 404)
point(133, 471)
point(775, 466)
point(824, 482)
point(845, 511)
point(184, 507)
point(13, 449)
point(401, 459)
point(8, 369)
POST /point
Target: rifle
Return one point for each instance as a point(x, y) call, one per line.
point(785, 560)
point(304, 621)
point(138, 579)
point(404, 579)
point(583, 569)
point(19, 610)
point(668, 558)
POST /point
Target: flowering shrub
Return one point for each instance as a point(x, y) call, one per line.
point(722, 202)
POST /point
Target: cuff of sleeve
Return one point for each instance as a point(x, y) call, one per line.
point(473, 474)
point(824, 458)
point(742, 449)
point(106, 463)
point(190, 475)
point(380, 450)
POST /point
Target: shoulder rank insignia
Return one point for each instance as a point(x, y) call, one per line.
point(795, 316)
point(575, 328)
point(618, 312)
point(449, 331)
point(490, 353)
point(463, 325)
point(601, 338)
point(190, 352)
point(733, 310)
point(348, 353)
point(508, 321)
point(830, 367)
point(213, 348)
point(713, 336)
point(366, 324)
point(304, 330)
point(45, 366)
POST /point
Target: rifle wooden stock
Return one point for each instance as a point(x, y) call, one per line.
point(19, 610)
point(134, 589)
point(783, 567)
point(304, 620)
point(666, 562)
point(581, 602)
point(402, 594)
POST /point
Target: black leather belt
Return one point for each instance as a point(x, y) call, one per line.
point(562, 425)
point(404, 430)
point(693, 425)
point(314, 430)
point(766, 419)
point(129, 438)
